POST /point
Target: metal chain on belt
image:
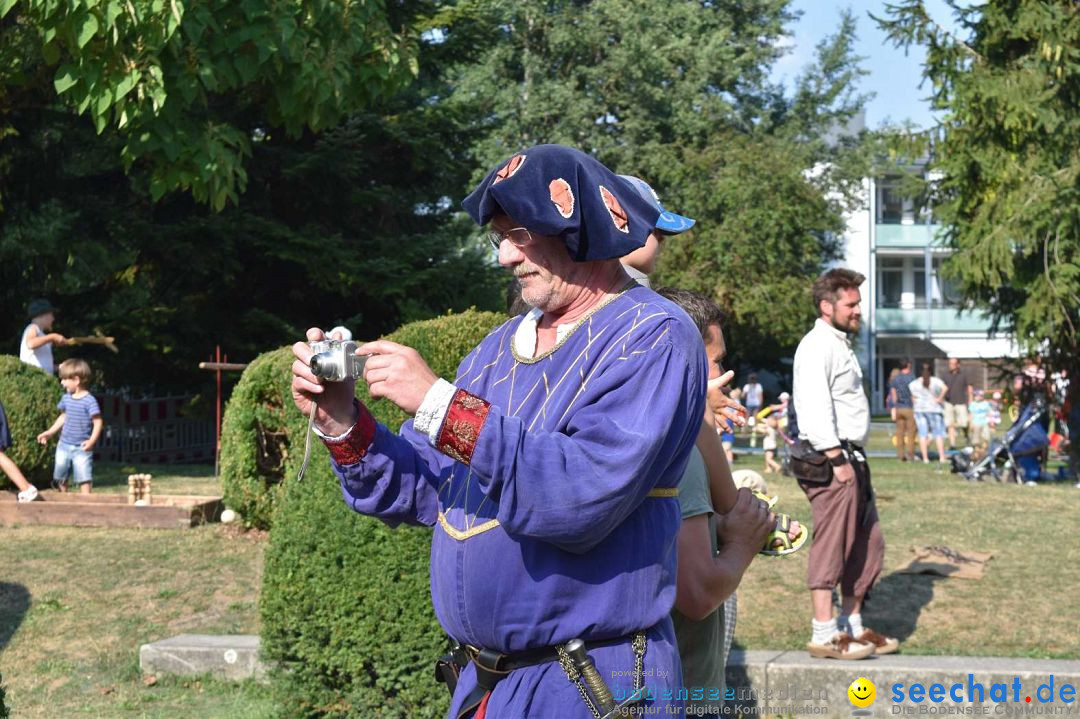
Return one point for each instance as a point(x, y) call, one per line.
point(640, 646)
point(575, 678)
point(639, 661)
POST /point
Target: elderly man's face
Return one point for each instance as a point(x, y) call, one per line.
point(549, 277)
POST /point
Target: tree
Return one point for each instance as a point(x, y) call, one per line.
point(678, 93)
point(350, 225)
point(188, 87)
point(1008, 153)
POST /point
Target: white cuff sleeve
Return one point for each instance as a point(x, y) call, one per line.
point(432, 411)
point(340, 438)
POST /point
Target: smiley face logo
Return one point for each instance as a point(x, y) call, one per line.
point(862, 692)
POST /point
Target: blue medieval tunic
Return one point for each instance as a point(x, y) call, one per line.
point(551, 490)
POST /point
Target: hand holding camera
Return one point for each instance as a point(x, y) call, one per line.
point(326, 371)
point(335, 413)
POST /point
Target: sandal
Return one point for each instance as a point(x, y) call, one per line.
point(882, 644)
point(770, 502)
point(841, 646)
point(779, 544)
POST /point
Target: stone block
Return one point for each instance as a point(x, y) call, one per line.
point(225, 657)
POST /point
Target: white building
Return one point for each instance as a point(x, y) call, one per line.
point(909, 309)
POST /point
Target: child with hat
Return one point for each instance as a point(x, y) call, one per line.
point(38, 339)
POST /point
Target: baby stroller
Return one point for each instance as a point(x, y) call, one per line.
point(1017, 456)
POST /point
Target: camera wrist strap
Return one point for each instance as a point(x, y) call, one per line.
point(307, 441)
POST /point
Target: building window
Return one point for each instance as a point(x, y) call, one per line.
point(897, 207)
point(890, 281)
point(901, 282)
point(944, 290)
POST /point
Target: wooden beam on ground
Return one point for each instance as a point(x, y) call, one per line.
point(110, 510)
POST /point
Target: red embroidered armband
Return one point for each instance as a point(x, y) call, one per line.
point(464, 420)
point(352, 448)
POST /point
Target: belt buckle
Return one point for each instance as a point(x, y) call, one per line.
point(487, 659)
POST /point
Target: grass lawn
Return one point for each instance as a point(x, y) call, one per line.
point(1025, 605)
point(76, 603)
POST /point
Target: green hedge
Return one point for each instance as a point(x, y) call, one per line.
point(29, 397)
point(346, 605)
point(256, 437)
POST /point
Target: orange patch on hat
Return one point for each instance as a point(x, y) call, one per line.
point(618, 214)
point(562, 196)
point(509, 169)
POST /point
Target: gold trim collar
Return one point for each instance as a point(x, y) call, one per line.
point(563, 340)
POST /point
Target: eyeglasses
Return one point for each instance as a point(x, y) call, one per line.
point(519, 236)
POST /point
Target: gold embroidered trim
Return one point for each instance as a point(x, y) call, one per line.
point(585, 318)
point(461, 536)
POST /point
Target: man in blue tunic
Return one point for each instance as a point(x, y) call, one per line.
point(548, 468)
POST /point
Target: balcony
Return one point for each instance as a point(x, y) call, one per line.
point(939, 319)
point(892, 235)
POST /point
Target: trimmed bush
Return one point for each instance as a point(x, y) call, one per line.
point(29, 396)
point(259, 421)
point(346, 602)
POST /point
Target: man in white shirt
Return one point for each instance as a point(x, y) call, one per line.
point(833, 415)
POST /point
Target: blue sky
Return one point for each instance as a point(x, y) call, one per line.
point(894, 77)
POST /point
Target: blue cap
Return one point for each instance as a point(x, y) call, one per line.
point(559, 191)
point(668, 222)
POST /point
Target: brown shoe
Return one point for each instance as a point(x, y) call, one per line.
point(882, 644)
point(841, 646)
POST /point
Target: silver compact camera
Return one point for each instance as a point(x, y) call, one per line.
point(336, 360)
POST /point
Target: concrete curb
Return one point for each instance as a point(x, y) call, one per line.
point(230, 656)
point(792, 682)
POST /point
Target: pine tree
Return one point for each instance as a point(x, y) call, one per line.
point(1008, 153)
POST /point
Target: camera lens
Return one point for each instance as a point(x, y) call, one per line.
point(315, 368)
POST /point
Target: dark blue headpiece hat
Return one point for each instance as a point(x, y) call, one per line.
point(557, 190)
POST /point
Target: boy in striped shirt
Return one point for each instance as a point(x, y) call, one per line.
point(79, 425)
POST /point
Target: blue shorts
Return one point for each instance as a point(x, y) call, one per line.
point(930, 424)
point(70, 457)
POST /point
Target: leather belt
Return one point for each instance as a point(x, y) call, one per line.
point(493, 666)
